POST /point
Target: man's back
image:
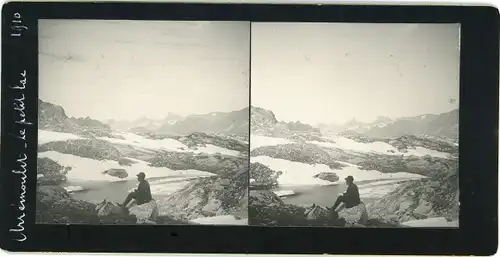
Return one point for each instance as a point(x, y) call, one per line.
point(352, 196)
point(143, 193)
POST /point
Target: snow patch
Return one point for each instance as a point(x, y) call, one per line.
point(72, 189)
point(377, 147)
point(167, 144)
point(297, 173)
point(281, 193)
point(45, 136)
point(257, 141)
point(431, 222)
point(220, 220)
point(86, 169)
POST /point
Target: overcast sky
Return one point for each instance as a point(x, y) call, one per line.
point(130, 69)
point(331, 73)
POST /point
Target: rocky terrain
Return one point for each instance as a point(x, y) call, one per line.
point(208, 197)
point(304, 153)
point(436, 196)
point(404, 177)
point(205, 169)
point(54, 205)
point(53, 118)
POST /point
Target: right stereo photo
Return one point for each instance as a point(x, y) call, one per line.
point(354, 125)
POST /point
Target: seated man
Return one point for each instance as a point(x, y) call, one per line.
point(351, 197)
point(142, 194)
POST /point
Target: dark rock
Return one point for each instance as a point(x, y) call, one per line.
point(119, 173)
point(263, 177)
point(198, 139)
point(86, 148)
point(267, 209)
point(304, 153)
point(328, 176)
point(217, 164)
point(419, 200)
point(209, 196)
point(53, 173)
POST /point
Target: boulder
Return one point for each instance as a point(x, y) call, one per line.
point(315, 212)
point(328, 176)
point(304, 153)
point(145, 213)
point(47, 195)
point(354, 215)
point(107, 208)
point(211, 208)
point(119, 173)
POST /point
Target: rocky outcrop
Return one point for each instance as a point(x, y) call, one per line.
point(267, 209)
point(427, 198)
point(328, 176)
point(262, 177)
point(86, 148)
point(404, 143)
point(51, 172)
point(217, 164)
point(53, 117)
point(262, 121)
point(210, 196)
point(426, 166)
point(119, 173)
point(143, 214)
point(304, 153)
point(54, 205)
point(354, 216)
point(198, 139)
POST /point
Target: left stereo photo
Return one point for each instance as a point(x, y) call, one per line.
point(143, 122)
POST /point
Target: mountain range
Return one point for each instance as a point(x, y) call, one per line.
point(53, 117)
point(440, 125)
point(264, 122)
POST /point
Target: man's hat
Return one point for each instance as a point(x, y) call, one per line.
point(349, 178)
point(141, 175)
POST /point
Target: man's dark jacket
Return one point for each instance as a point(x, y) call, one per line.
point(143, 193)
point(351, 196)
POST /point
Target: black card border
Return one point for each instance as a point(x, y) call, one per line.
point(479, 83)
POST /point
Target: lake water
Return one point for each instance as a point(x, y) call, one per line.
point(97, 191)
point(321, 195)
